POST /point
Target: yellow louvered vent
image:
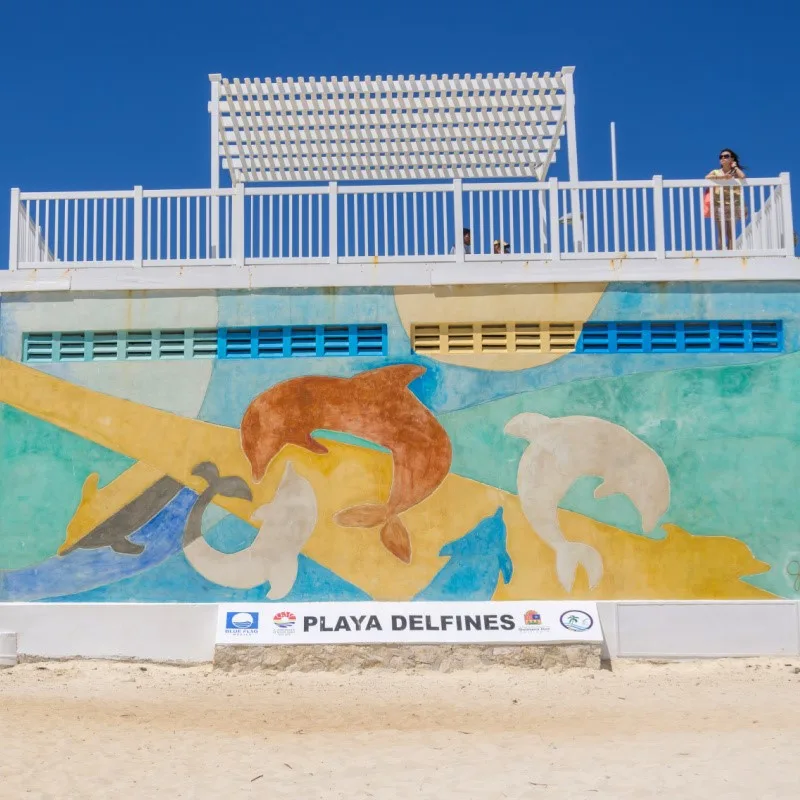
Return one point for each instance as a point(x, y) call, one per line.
point(495, 337)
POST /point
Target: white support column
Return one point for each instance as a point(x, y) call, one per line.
point(333, 222)
point(572, 157)
point(138, 230)
point(213, 110)
point(788, 223)
point(13, 241)
point(237, 225)
point(555, 234)
point(458, 213)
point(572, 141)
point(659, 221)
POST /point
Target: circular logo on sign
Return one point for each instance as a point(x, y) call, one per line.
point(242, 620)
point(284, 619)
point(577, 621)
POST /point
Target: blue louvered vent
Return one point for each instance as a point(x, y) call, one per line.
point(302, 341)
point(139, 345)
point(105, 346)
point(726, 336)
point(204, 343)
point(237, 343)
point(171, 344)
point(72, 347)
point(370, 340)
point(38, 347)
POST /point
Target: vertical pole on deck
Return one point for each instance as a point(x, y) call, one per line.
point(13, 249)
point(788, 224)
point(138, 233)
point(572, 157)
point(555, 236)
point(237, 226)
point(333, 222)
point(458, 214)
point(659, 221)
point(213, 110)
point(613, 151)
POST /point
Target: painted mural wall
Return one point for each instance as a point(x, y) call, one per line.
point(592, 441)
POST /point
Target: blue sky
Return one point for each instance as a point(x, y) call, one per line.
point(102, 95)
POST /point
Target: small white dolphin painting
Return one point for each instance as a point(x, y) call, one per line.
point(286, 525)
point(564, 449)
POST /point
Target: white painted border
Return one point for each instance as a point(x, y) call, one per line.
point(377, 273)
point(187, 632)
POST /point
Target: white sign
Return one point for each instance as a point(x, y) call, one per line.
point(492, 622)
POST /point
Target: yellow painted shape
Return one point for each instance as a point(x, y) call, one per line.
point(678, 567)
point(681, 566)
point(549, 302)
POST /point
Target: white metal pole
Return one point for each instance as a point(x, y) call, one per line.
point(214, 199)
point(458, 214)
point(788, 223)
point(613, 151)
point(572, 141)
point(572, 157)
point(13, 241)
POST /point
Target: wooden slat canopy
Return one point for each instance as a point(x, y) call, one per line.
point(404, 128)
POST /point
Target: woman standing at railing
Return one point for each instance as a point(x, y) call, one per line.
point(726, 201)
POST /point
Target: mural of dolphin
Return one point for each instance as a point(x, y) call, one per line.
point(141, 535)
point(286, 525)
point(376, 405)
point(477, 559)
point(564, 449)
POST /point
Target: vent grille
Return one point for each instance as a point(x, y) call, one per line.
point(495, 337)
point(727, 336)
point(226, 343)
point(303, 341)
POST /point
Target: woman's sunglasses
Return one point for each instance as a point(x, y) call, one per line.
point(725, 155)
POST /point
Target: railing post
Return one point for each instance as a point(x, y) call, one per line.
point(659, 223)
point(13, 241)
point(214, 199)
point(458, 214)
point(555, 237)
point(138, 232)
point(237, 225)
point(333, 222)
point(788, 223)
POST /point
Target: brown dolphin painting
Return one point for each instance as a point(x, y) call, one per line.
point(376, 405)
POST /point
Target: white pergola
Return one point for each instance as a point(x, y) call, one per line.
point(382, 129)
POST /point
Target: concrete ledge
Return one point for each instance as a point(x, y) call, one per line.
point(8, 649)
point(440, 658)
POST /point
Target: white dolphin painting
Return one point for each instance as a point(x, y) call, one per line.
point(563, 449)
point(286, 525)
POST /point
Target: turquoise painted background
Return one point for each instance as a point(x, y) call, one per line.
point(727, 426)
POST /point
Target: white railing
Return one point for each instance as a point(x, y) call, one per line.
point(333, 223)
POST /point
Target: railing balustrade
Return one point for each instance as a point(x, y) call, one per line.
point(332, 223)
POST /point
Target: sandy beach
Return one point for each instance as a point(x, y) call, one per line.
point(101, 730)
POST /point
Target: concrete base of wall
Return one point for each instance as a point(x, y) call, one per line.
point(186, 632)
point(440, 658)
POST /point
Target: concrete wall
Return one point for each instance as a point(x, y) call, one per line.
point(481, 468)
point(185, 632)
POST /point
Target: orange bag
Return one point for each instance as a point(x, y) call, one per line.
point(707, 203)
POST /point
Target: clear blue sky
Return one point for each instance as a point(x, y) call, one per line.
point(106, 95)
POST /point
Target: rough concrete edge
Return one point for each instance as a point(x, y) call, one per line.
point(397, 658)
point(24, 658)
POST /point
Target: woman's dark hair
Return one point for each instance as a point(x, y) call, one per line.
point(735, 156)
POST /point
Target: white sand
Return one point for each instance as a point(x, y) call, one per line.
point(103, 730)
